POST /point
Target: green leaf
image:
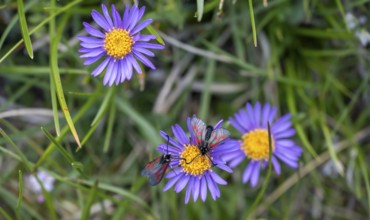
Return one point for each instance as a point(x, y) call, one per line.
point(90, 201)
point(16, 149)
point(70, 5)
point(250, 213)
point(65, 153)
point(3, 212)
point(24, 28)
point(146, 128)
point(56, 77)
point(154, 32)
point(104, 106)
point(251, 14)
point(200, 5)
point(20, 193)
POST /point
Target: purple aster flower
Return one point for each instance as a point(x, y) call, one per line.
point(193, 169)
point(251, 122)
point(120, 44)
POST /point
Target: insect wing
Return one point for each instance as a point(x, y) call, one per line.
point(218, 135)
point(155, 170)
point(199, 129)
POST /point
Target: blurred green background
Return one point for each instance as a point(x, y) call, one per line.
point(311, 60)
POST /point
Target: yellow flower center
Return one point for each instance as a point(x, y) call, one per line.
point(194, 163)
point(118, 43)
point(256, 144)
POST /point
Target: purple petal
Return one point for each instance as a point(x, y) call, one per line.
point(93, 31)
point(248, 171)
point(276, 164)
point(91, 60)
point(93, 53)
point(140, 14)
point(109, 73)
point(218, 124)
point(146, 37)
point(116, 17)
point(223, 166)
point(196, 188)
point(144, 51)
point(144, 60)
point(107, 16)
point(90, 40)
point(163, 148)
point(173, 173)
point(255, 174)
point(203, 188)
point(292, 164)
point(172, 182)
point(272, 114)
point(211, 187)
point(172, 141)
point(125, 16)
point(251, 116)
point(285, 134)
point(257, 114)
point(141, 26)
point(90, 45)
point(189, 189)
point(128, 69)
point(133, 18)
point(236, 161)
point(285, 143)
point(182, 183)
point(188, 121)
point(217, 178)
point(100, 20)
point(114, 74)
point(101, 67)
point(232, 155)
point(180, 135)
point(134, 63)
point(149, 45)
point(237, 125)
point(265, 115)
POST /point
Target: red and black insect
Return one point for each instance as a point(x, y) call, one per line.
point(156, 168)
point(206, 137)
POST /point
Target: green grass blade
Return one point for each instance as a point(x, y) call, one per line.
point(146, 128)
point(37, 70)
point(365, 173)
point(154, 32)
point(63, 151)
point(3, 212)
point(118, 190)
point(20, 192)
point(251, 14)
point(56, 78)
point(13, 22)
point(70, 5)
point(250, 213)
point(104, 106)
point(8, 198)
point(65, 129)
point(200, 5)
point(206, 95)
point(90, 200)
point(54, 102)
point(54, 105)
point(24, 28)
point(330, 146)
point(16, 149)
point(111, 120)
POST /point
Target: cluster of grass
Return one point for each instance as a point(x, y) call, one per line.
point(307, 62)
